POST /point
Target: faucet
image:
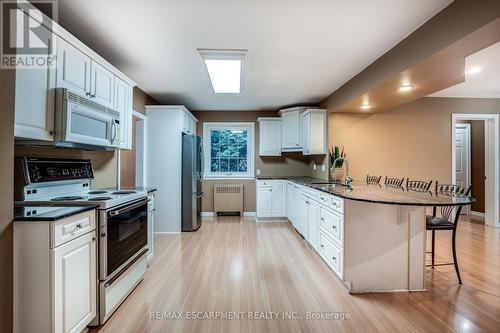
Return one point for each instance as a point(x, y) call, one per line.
point(348, 179)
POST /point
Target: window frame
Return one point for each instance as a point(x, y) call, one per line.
point(207, 128)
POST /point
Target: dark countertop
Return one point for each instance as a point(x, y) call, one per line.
point(47, 212)
point(133, 188)
point(381, 194)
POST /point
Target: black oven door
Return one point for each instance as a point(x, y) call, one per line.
point(126, 235)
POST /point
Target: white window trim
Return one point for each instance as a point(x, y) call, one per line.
point(250, 126)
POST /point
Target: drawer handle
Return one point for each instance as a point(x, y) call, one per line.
point(322, 246)
point(79, 226)
point(334, 204)
point(334, 259)
point(322, 219)
point(334, 227)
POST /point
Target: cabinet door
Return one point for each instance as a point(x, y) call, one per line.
point(289, 201)
point(74, 284)
point(34, 101)
point(290, 129)
point(73, 68)
point(279, 198)
point(270, 138)
point(102, 82)
point(306, 134)
point(264, 202)
point(312, 223)
point(302, 216)
point(123, 104)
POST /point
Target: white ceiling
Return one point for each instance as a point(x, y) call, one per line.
point(484, 84)
point(299, 51)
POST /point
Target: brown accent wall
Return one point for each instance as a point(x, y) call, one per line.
point(292, 164)
point(413, 140)
point(477, 154)
point(141, 99)
point(7, 86)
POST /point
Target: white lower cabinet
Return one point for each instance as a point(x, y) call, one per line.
point(55, 278)
point(319, 218)
point(271, 199)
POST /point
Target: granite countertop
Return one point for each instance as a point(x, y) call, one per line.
point(47, 212)
point(381, 194)
point(133, 188)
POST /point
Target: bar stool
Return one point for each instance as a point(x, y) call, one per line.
point(434, 223)
point(373, 180)
point(393, 182)
point(418, 185)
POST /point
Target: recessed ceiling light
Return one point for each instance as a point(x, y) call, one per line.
point(405, 87)
point(225, 69)
point(365, 106)
point(473, 70)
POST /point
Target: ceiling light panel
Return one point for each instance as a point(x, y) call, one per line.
point(225, 69)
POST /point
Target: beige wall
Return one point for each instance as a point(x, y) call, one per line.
point(7, 84)
point(413, 140)
point(292, 164)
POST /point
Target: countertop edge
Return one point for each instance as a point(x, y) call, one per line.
point(81, 209)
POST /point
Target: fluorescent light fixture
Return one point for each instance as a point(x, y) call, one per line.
point(225, 69)
point(405, 87)
point(473, 70)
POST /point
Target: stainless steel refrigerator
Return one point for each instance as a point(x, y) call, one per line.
point(192, 176)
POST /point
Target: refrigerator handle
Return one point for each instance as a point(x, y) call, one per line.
point(202, 159)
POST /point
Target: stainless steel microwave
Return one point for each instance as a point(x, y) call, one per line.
point(81, 122)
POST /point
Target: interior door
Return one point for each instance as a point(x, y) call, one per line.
point(462, 157)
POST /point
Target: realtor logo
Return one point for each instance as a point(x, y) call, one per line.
point(26, 34)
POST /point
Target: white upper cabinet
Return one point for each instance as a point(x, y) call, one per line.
point(34, 99)
point(123, 104)
point(188, 123)
point(269, 136)
point(101, 85)
point(314, 132)
point(73, 68)
point(290, 129)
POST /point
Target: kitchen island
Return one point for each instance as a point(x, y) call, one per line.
point(373, 237)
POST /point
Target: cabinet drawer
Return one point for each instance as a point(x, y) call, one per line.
point(72, 227)
point(332, 223)
point(310, 193)
point(264, 183)
point(332, 254)
point(333, 202)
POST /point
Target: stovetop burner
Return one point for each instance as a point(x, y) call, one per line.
point(68, 198)
point(123, 192)
point(99, 198)
point(98, 192)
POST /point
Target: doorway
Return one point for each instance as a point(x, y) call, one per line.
point(131, 168)
point(463, 165)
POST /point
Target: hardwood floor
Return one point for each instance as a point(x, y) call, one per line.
point(239, 265)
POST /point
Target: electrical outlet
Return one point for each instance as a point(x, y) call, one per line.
point(323, 168)
point(258, 172)
point(314, 166)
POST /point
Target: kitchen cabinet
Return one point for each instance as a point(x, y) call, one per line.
point(123, 104)
point(271, 199)
point(312, 224)
point(314, 132)
point(73, 68)
point(269, 136)
point(188, 123)
point(55, 274)
point(34, 96)
point(151, 222)
point(291, 120)
point(101, 85)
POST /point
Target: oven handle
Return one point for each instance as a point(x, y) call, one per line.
point(128, 208)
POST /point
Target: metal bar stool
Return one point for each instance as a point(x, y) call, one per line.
point(374, 180)
point(418, 185)
point(434, 222)
point(393, 182)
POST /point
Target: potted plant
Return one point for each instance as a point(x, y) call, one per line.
point(336, 169)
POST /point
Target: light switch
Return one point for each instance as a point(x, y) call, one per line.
point(258, 172)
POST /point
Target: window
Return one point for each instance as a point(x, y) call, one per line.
point(229, 150)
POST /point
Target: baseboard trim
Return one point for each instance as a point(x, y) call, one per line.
point(249, 214)
point(166, 232)
point(477, 215)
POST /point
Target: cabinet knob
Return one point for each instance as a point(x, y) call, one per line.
point(93, 239)
point(79, 226)
point(103, 234)
point(322, 246)
point(334, 227)
point(334, 259)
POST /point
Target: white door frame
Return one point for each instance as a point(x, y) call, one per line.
point(492, 163)
point(466, 210)
point(140, 149)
